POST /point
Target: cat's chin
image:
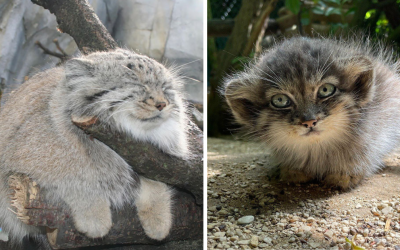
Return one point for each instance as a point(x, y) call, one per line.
point(312, 132)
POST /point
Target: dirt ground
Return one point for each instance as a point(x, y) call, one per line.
point(288, 216)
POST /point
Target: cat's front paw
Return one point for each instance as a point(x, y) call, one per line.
point(294, 176)
point(344, 182)
point(154, 208)
point(95, 222)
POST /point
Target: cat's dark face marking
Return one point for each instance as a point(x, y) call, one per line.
point(123, 82)
point(305, 90)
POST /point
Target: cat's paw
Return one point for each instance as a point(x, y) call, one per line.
point(154, 208)
point(95, 222)
point(294, 176)
point(344, 182)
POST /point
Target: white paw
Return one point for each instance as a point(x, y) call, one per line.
point(154, 208)
point(155, 224)
point(95, 222)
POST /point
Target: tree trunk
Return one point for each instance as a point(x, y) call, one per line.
point(239, 42)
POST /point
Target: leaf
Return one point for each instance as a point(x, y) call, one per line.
point(352, 10)
point(318, 10)
point(305, 21)
point(331, 11)
point(293, 5)
point(241, 59)
point(354, 246)
point(333, 1)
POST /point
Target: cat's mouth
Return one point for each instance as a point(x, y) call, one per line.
point(312, 131)
point(151, 119)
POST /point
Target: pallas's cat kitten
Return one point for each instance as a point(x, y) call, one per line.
point(328, 110)
point(126, 91)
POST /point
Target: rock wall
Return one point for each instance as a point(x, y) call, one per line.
point(170, 31)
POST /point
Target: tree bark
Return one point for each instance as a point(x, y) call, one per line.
point(31, 206)
point(77, 18)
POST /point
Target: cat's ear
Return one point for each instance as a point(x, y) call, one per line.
point(360, 77)
point(242, 97)
point(78, 68)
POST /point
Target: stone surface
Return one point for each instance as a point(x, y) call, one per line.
point(302, 216)
point(245, 220)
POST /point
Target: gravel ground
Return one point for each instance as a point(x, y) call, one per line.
point(248, 211)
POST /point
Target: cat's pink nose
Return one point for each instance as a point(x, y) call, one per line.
point(160, 105)
point(310, 123)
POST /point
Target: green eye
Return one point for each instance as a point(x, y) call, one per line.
point(326, 90)
point(280, 101)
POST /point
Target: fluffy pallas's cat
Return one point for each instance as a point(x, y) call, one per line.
point(328, 109)
point(127, 91)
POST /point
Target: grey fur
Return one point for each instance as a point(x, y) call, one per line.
point(356, 126)
point(37, 138)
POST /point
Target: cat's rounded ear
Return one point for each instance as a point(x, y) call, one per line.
point(78, 68)
point(243, 97)
point(360, 79)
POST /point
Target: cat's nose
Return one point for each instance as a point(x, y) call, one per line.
point(310, 123)
point(160, 105)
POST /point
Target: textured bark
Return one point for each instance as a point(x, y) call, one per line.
point(32, 207)
point(77, 18)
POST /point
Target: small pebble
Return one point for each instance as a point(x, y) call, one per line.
point(245, 220)
point(254, 241)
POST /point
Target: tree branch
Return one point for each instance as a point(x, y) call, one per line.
point(77, 18)
point(62, 57)
point(32, 207)
point(149, 161)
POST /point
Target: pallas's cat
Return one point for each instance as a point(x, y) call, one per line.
point(125, 91)
point(328, 109)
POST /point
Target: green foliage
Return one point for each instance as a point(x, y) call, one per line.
point(293, 6)
point(354, 246)
point(239, 62)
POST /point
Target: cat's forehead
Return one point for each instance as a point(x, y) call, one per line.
point(130, 64)
point(123, 56)
point(299, 66)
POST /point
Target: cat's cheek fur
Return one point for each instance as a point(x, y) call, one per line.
point(170, 135)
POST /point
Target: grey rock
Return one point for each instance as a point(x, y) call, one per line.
point(245, 220)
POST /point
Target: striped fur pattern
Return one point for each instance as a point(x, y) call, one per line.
point(37, 138)
point(355, 127)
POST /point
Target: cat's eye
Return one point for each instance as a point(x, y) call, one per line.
point(280, 101)
point(326, 90)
